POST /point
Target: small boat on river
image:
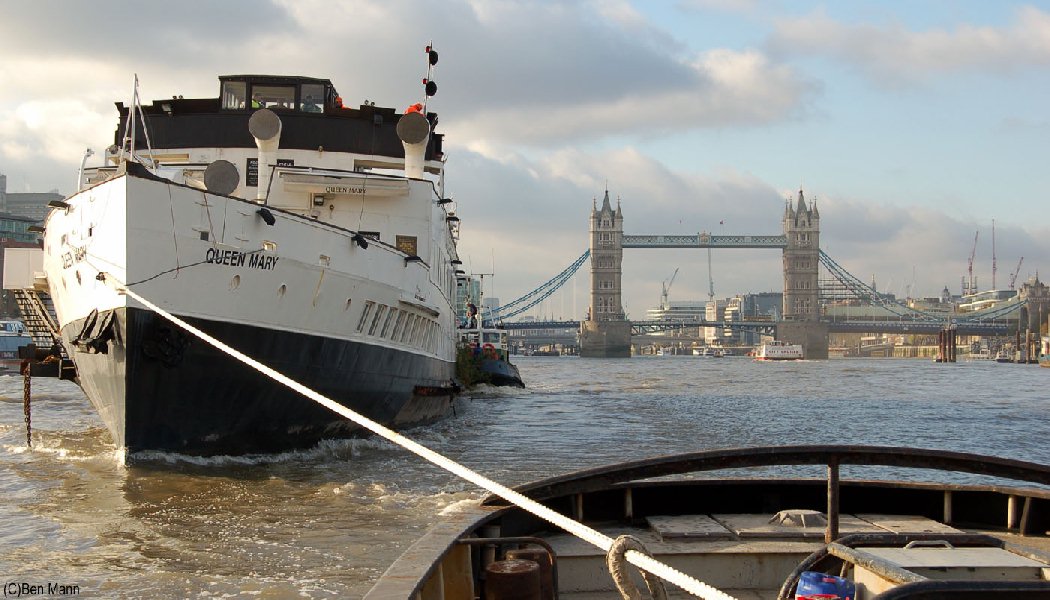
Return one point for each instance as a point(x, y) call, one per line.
point(778, 350)
point(485, 348)
point(12, 336)
point(943, 535)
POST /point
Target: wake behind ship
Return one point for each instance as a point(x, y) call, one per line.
point(313, 237)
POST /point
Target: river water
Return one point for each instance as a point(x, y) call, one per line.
point(325, 523)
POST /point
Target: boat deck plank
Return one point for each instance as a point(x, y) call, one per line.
point(759, 526)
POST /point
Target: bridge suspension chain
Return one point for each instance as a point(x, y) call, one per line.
point(866, 292)
point(541, 293)
point(863, 291)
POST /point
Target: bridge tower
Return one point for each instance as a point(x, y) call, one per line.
point(1036, 314)
point(801, 286)
point(606, 333)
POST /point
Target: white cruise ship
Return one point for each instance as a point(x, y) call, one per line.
point(314, 237)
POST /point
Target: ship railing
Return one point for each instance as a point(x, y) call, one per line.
point(833, 457)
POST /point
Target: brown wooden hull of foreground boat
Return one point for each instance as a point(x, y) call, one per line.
point(718, 530)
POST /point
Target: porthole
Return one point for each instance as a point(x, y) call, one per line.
point(235, 282)
point(281, 290)
point(347, 307)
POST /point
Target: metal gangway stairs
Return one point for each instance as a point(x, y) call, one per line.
point(38, 316)
point(50, 358)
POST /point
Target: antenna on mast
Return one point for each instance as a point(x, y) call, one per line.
point(429, 86)
point(128, 143)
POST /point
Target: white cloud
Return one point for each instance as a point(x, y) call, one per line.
point(729, 6)
point(893, 55)
point(720, 88)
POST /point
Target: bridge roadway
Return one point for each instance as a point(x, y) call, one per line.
point(705, 240)
point(992, 328)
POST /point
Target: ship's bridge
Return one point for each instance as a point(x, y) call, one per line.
point(279, 93)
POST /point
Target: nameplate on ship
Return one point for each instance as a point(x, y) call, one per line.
point(236, 258)
point(344, 189)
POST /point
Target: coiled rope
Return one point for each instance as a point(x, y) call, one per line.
point(602, 541)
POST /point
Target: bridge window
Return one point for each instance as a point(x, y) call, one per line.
point(273, 96)
point(233, 94)
point(312, 98)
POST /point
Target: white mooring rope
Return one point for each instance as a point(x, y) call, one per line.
point(687, 583)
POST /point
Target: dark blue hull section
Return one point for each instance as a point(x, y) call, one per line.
point(159, 388)
point(501, 373)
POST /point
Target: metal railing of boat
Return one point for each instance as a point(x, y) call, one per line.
point(832, 457)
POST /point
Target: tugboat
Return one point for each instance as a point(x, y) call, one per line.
point(484, 354)
point(313, 236)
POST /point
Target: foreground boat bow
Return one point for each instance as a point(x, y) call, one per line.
point(721, 531)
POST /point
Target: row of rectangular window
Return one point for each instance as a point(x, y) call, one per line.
point(397, 325)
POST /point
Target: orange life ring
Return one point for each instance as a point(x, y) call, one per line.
point(489, 351)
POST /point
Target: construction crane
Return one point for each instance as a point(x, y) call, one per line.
point(993, 254)
point(971, 287)
point(1013, 276)
point(664, 304)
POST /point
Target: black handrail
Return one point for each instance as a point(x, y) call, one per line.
point(762, 456)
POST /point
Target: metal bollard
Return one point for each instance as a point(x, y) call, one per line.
point(541, 558)
point(512, 579)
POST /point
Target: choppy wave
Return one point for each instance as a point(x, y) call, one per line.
point(336, 449)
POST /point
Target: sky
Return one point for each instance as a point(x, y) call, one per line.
point(913, 125)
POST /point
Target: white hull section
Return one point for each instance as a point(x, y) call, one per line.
point(373, 327)
point(298, 275)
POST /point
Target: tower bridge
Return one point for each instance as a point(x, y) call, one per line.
point(606, 332)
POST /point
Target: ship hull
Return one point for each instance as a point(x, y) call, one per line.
point(159, 388)
point(502, 373)
point(362, 326)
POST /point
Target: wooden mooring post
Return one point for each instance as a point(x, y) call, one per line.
point(947, 341)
